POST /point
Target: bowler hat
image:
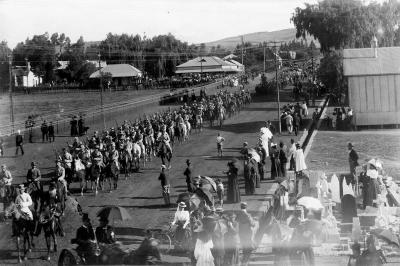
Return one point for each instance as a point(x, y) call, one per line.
point(85, 217)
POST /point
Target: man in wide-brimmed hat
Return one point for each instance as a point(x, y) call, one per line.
point(353, 159)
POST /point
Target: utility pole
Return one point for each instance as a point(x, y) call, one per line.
point(242, 48)
point(101, 95)
point(264, 58)
point(11, 94)
point(277, 88)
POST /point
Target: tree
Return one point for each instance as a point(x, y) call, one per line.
point(39, 51)
point(5, 51)
point(342, 24)
point(330, 73)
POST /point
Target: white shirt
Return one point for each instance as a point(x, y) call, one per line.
point(292, 150)
point(182, 216)
point(220, 140)
point(300, 160)
point(24, 200)
point(6, 178)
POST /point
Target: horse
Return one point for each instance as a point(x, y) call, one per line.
point(199, 122)
point(60, 195)
point(49, 221)
point(35, 191)
point(125, 162)
point(95, 174)
point(188, 128)
point(165, 154)
point(210, 115)
point(149, 146)
point(136, 154)
point(21, 226)
point(80, 172)
point(220, 115)
point(171, 133)
point(182, 132)
point(111, 173)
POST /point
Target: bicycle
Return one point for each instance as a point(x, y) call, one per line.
point(164, 237)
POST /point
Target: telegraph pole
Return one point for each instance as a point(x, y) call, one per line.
point(242, 48)
point(101, 95)
point(277, 89)
point(11, 94)
point(264, 58)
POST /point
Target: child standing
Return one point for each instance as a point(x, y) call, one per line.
point(220, 141)
point(220, 192)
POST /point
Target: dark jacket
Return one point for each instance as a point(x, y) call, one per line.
point(353, 157)
point(164, 179)
point(19, 140)
point(105, 234)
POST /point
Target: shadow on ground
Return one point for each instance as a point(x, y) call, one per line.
point(240, 128)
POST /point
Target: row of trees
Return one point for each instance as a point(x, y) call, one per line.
point(157, 56)
point(339, 24)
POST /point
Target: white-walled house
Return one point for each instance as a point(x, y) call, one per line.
point(24, 77)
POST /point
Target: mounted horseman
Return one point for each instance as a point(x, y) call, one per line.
point(33, 178)
point(164, 147)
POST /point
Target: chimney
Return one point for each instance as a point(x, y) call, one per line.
point(28, 65)
point(374, 45)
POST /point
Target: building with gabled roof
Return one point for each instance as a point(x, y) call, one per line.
point(373, 84)
point(24, 77)
point(206, 64)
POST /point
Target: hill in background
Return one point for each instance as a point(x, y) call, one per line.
point(285, 35)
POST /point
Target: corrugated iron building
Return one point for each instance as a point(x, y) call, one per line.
point(373, 84)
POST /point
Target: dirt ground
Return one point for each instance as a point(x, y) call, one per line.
point(329, 150)
point(141, 193)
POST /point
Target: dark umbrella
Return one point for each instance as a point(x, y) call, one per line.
point(205, 195)
point(386, 235)
point(114, 213)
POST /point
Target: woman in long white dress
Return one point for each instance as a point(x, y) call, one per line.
point(202, 250)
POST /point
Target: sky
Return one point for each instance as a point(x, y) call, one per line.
point(194, 21)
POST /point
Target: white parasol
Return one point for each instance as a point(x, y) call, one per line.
point(310, 203)
point(254, 155)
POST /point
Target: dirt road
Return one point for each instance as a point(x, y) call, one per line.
point(141, 193)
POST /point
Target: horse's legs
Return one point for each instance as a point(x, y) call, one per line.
point(18, 249)
point(96, 184)
point(47, 238)
point(26, 250)
point(53, 235)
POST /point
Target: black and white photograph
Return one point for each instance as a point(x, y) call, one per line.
point(200, 132)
